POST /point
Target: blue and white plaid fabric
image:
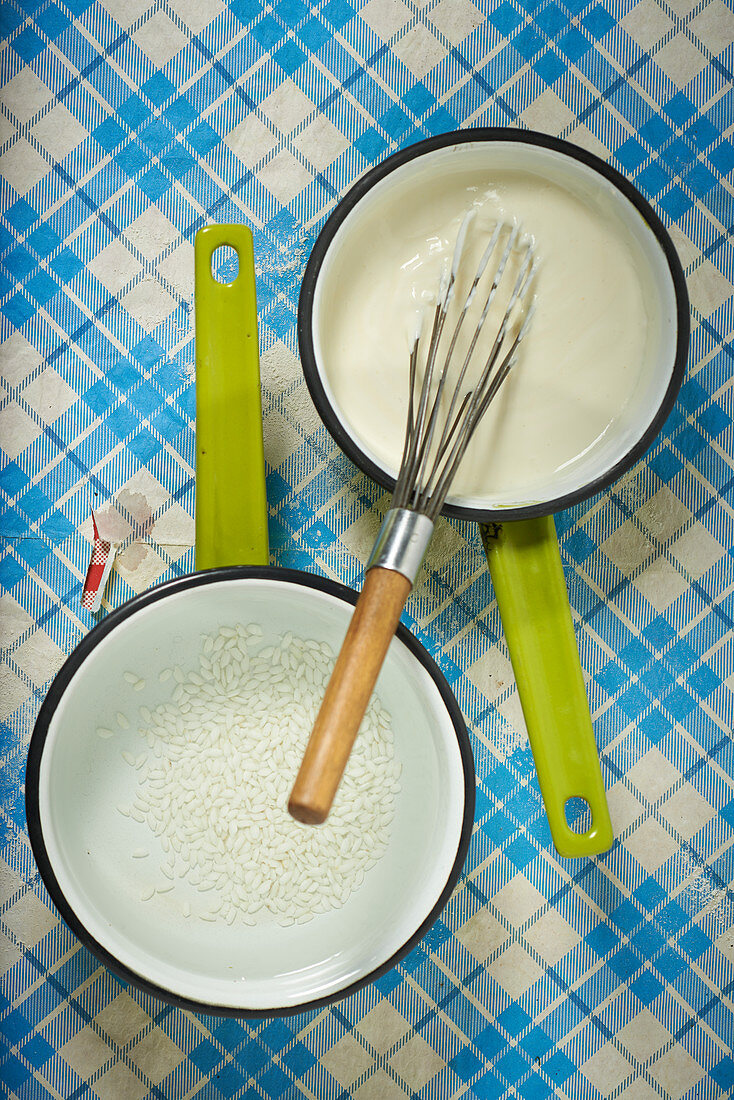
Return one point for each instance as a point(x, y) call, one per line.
point(126, 125)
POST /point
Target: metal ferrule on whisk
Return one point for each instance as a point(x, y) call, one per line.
point(402, 542)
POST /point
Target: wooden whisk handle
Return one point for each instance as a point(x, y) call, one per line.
point(348, 692)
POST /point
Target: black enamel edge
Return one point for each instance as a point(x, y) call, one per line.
point(527, 137)
point(55, 694)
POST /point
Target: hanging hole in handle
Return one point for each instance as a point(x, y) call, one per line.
point(579, 817)
point(225, 264)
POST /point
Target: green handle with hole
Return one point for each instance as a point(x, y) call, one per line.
point(231, 509)
point(527, 574)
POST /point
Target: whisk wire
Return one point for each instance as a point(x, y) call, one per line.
point(426, 470)
point(425, 489)
point(481, 397)
point(409, 428)
point(470, 297)
point(412, 435)
point(434, 416)
point(413, 448)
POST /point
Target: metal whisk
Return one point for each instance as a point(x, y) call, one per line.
point(443, 414)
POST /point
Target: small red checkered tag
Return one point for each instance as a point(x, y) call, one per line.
point(103, 556)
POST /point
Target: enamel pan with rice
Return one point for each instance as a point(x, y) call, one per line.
point(99, 864)
point(160, 761)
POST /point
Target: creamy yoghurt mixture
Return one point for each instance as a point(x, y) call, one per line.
point(594, 328)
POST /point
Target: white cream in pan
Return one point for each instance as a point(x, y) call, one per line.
point(583, 383)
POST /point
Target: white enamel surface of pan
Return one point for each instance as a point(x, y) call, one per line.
point(84, 845)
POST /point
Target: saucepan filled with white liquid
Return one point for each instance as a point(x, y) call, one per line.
point(600, 369)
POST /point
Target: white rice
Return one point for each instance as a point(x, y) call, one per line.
point(214, 788)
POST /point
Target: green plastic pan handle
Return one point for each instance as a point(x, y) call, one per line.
point(231, 509)
point(525, 566)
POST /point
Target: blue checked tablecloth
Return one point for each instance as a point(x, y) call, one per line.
point(127, 125)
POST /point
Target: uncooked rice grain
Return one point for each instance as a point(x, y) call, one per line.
point(226, 748)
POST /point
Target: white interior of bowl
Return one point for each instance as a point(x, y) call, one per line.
point(83, 778)
point(455, 162)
